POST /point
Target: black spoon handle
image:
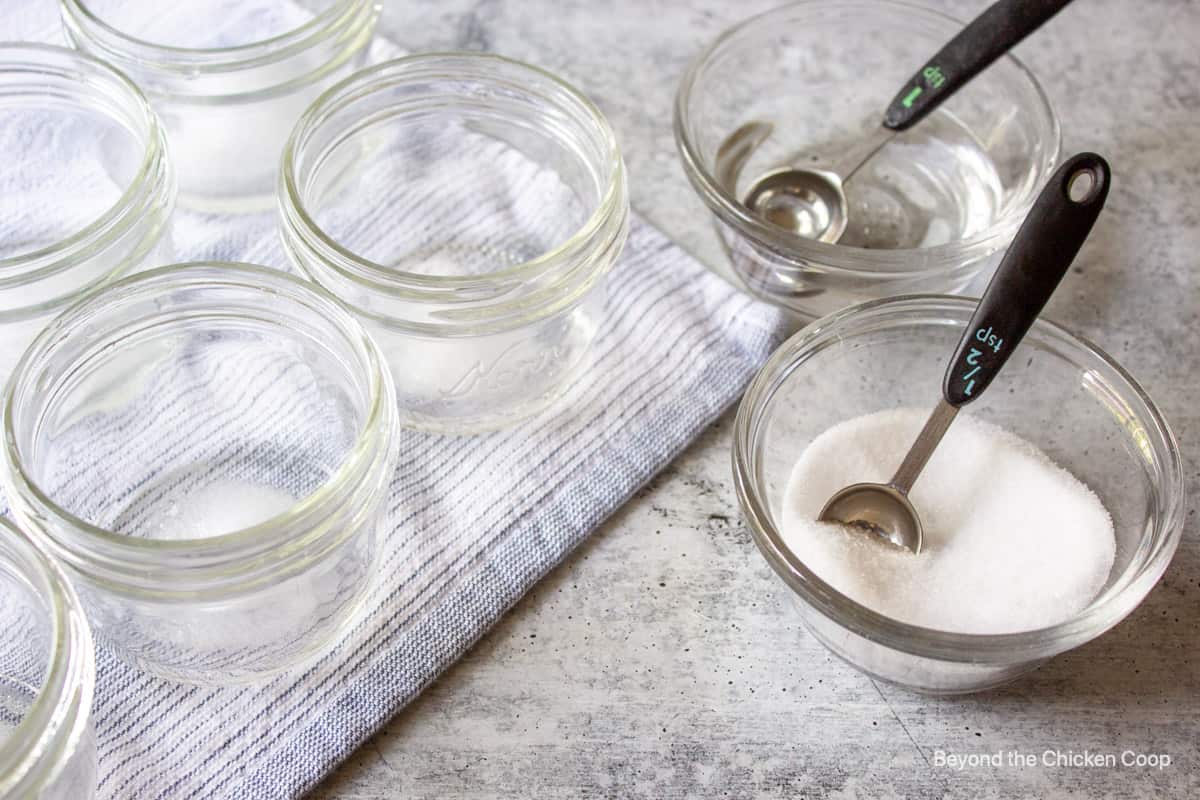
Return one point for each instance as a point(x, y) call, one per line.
point(1039, 256)
point(989, 36)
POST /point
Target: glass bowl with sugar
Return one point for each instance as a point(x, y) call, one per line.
point(1052, 508)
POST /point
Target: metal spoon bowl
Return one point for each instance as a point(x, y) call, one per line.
point(878, 509)
point(808, 202)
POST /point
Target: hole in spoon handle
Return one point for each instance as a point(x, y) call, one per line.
point(1037, 260)
point(986, 38)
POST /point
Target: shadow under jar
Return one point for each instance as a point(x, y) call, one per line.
point(207, 448)
point(468, 208)
point(929, 212)
point(228, 79)
point(47, 676)
point(87, 186)
point(1071, 401)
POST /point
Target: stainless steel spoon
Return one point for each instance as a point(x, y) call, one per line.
point(1047, 242)
point(812, 202)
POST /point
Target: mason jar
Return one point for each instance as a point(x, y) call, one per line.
point(47, 676)
point(207, 449)
point(88, 187)
point(468, 208)
point(228, 81)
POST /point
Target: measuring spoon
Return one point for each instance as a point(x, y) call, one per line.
point(1044, 248)
point(812, 202)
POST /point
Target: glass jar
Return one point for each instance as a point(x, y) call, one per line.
point(805, 84)
point(87, 189)
point(207, 449)
point(228, 80)
point(1066, 397)
point(468, 208)
point(47, 676)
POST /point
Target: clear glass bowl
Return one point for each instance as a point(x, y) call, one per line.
point(47, 675)
point(928, 213)
point(228, 79)
point(88, 188)
point(1058, 391)
point(207, 448)
point(469, 209)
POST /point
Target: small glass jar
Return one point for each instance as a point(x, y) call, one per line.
point(469, 209)
point(228, 82)
point(47, 676)
point(207, 449)
point(1065, 396)
point(87, 185)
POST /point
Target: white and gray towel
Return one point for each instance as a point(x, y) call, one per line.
point(474, 522)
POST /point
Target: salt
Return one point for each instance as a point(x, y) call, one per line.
point(1013, 542)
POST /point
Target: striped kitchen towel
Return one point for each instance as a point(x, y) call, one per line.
point(677, 347)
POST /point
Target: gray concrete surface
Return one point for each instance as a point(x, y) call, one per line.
point(662, 660)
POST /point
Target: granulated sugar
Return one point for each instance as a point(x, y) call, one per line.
point(1012, 541)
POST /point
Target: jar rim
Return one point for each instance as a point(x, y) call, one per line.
point(151, 183)
point(192, 60)
point(372, 440)
point(1104, 611)
point(603, 226)
point(861, 262)
point(57, 720)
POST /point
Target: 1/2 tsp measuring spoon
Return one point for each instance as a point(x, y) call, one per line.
point(1044, 248)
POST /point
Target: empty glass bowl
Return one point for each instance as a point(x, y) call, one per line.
point(926, 213)
point(468, 208)
point(1069, 399)
point(229, 79)
point(207, 448)
point(47, 674)
point(87, 186)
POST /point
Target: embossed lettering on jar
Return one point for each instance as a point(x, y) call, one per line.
point(469, 209)
point(207, 448)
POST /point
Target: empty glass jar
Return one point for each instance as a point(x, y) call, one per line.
point(229, 79)
point(87, 189)
point(207, 448)
point(468, 208)
point(47, 675)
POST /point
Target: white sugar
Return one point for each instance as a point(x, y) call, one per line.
point(1012, 541)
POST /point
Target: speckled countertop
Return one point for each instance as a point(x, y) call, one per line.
point(663, 659)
